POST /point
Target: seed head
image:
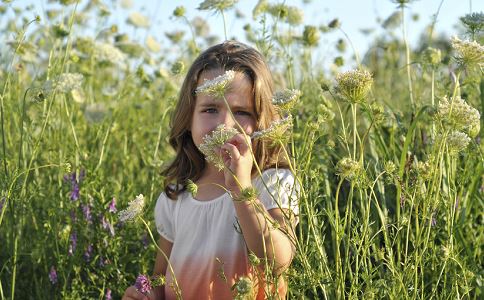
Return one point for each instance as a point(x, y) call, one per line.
point(432, 57)
point(354, 85)
point(216, 87)
point(213, 141)
point(192, 188)
point(134, 209)
point(243, 287)
point(348, 168)
point(310, 36)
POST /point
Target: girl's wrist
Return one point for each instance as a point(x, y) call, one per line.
point(246, 194)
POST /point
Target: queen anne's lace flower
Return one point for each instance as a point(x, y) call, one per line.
point(68, 82)
point(286, 99)
point(138, 20)
point(277, 131)
point(457, 141)
point(134, 209)
point(214, 140)
point(459, 115)
point(468, 53)
point(216, 87)
point(354, 85)
point(348, 168)
point(217, 5)
point(243, 287)
point(105, 52)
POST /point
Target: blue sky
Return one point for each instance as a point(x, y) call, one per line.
point(354, 15)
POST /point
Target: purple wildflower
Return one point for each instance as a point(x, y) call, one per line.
point(75, 193)
point(86, 210)
point(53, 275)
point(108, 294)
point(88, 253)
point(143, 284)
point(73, 245)
point(112, 206)
point(107, 225)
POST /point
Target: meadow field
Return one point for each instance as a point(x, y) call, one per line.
point(387, 147)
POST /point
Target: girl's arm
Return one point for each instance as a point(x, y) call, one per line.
point(161, 264)
point(263, 238)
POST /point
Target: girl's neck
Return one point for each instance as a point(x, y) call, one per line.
point(209, 184)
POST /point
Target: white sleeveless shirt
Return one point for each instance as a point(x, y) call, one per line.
point(209, 253)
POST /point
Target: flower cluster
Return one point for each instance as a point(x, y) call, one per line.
point(138, 20)
point(458, 115)
point(134, 209)
point(468, 53)
point(351, 170)
point(192, 188)
point(105, 52)
point(474, 22)
point(277, 131)
point(216, 87)
point(212, 142)
point(217, 5)
point(457, 141)
point(143, 284)
point(75, 182)
point(354, 85)
point(286, 99)
point(67, 82)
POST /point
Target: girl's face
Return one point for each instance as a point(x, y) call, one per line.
point(210, 112)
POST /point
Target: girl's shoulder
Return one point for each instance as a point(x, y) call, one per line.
point(276, 174)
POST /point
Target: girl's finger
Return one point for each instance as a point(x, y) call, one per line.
point(231, 151)
point(241, 143)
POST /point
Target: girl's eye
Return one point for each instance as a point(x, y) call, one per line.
point(243, 113)
point(210, 110)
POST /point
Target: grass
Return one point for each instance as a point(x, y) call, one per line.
point(392, 203)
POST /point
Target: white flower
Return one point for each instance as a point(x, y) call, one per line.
point(277, 131)
point(152, 44)
point(216, 87)
point(217, 4)
point(67, 82)
point(458, 114)
point(138, 20)
point(134, 209)
point(286, 98)
point(105, 52)
point(468, 53)
point(457, 141)
point(212, 141)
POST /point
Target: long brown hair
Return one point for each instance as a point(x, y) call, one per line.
point(189, 162)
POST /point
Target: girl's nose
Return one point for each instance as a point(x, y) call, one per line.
point(227, 120)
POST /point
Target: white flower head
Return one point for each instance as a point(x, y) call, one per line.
point(212, 141)
point(105, 52)
point(138, 20)
point(459, 115)
point(286, 99)
point(468, 53)
point(67, 82)
point(216, 87)
point(217, 5)
point(277, 131)
point(134, 209)
point(457, 141)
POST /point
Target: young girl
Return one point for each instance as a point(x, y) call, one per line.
point(236, 232)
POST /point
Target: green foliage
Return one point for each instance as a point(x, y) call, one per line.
point(393, 190)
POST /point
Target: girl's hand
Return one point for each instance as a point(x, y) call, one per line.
point(132, 294)
point(237, 157)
